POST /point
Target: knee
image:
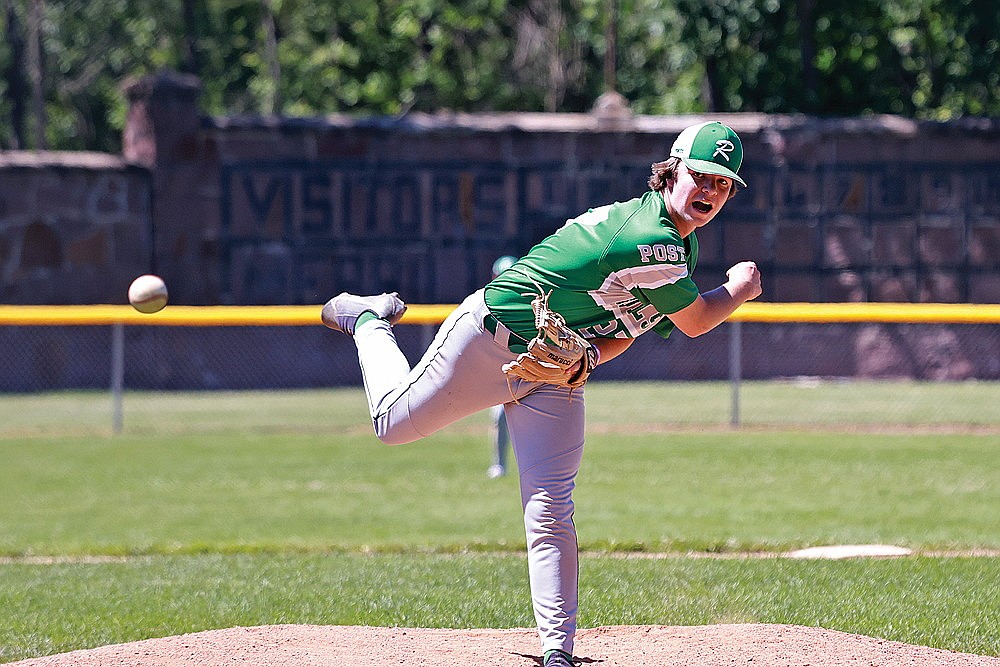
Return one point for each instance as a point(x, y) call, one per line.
point(392, 439)
point(390, 433)
point(543, 513)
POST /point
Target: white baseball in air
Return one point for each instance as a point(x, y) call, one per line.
point(148, 293)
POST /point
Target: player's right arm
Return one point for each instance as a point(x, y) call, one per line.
point(711, 309)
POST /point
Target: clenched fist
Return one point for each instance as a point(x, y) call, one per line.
point(744, 281)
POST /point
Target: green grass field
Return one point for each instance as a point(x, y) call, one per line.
point(216, 510)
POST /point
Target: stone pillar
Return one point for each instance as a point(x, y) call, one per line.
point(163, 132)
point(162, 115)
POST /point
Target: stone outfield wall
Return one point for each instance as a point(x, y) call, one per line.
point(74, 227)
point(291, 211)
point(272, 211)
point(260, 211)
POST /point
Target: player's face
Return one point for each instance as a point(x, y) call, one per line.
point(696, 198)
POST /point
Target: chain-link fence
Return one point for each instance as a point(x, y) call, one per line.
point(926, 367)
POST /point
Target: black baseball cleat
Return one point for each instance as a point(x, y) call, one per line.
point(342, 311)
point(557, 658)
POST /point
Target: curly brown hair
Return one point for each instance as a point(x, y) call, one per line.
point(665, 173)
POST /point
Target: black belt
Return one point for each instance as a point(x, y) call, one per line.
point(515, 343)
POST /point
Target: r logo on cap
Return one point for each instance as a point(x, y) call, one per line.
point(723, 147)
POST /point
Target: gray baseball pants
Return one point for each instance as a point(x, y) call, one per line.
point(459, 375)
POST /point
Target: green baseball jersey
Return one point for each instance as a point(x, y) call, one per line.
point(614, 272)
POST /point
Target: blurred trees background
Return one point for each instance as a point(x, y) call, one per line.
point(62, 62)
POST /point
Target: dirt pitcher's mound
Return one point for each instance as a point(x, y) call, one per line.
point(758, 645)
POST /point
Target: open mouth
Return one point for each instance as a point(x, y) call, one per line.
point(701, 206)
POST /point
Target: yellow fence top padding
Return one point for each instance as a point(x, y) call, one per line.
point(907, 313)
point(929, 313)
point(208, 316)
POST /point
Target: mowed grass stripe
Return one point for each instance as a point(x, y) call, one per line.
point(611, 407)
point(949, 603)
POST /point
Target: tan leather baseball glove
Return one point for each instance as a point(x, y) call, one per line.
point(557, 355)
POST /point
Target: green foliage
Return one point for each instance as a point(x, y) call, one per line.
point(89, 49)
point(920, 58)
point(390, 57)
point(934, 59)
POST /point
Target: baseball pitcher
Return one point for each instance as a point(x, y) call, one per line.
point(532, 337)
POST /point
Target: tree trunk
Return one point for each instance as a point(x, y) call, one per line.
point(611, 42)
point(713, 85)
point(807, 47)
point(17, 85)
point(271, 58)
point(190, 62)
point(36, 65)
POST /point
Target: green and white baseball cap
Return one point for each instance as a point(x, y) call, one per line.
point(710, 148)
